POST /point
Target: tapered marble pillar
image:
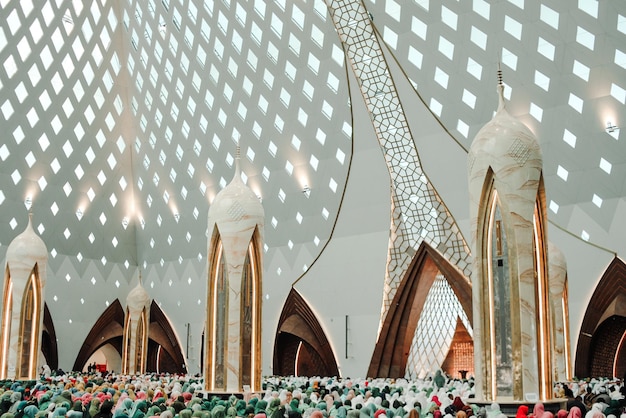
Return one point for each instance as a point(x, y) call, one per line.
point(136, 331)
point(23, 305)
point(233, 337)
point(560, 314)
point(512, 329)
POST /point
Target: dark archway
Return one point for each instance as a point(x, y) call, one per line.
point(605, 348)
point(108, 329)
point(602, 320)
point(301, 346)
point(164, 352)
point(49, 340)
point(394, 342)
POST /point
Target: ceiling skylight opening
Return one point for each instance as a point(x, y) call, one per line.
point(597, 200)
point(449, 17)
point(569, 138)
point(605, 166)
point(620, 58)
point(474, 68)
point(415, 57)
point(562, 173)
point(341, 156)
point(542, 80)
point(469, 98)
point(482, 8)
point(575, 102)
point(419, 28)
point(332, 184)
point(314, 162)
point(585, 38)
point(536, 112)
point(436, 107)
point(545, 48)
point(554, 207)
point(549, 16)
point(463, 128)
point(589, 6)
point(441, 77)
point(618, 93)
point(513, 27)
point(479, 38)
point(581, 70)
point(297, 16)
point(446, 48)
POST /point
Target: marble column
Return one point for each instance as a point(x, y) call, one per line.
point(512, 330)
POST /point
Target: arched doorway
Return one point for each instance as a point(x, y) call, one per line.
point(428, 271)
point(300, 346)
point(601, 350)
point(104, 341)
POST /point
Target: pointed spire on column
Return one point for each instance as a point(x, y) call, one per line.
point(500, 88)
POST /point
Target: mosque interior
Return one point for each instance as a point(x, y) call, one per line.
point(352, 123)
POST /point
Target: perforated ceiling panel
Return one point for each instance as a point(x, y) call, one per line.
point(121, 121)
point(564, 71)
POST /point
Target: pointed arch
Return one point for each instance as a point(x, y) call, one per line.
point(394, 341)
point(166, 355)
point(108, 329)
point(606, 302)
point(300, 344)
point(49, 340)
point(162, 339)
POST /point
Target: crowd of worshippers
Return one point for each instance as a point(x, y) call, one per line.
point(96, 395)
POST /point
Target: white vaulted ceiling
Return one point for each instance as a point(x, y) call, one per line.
point(121, 121)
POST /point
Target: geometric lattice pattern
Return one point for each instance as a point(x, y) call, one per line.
point(564, 67)
point(519, 152)
point(120, 122)
point(435, 330)
point(418, 212)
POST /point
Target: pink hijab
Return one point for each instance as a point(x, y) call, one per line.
point(575, 412)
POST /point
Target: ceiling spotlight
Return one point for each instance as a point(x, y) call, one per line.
point(610, 128)
point(306, 190)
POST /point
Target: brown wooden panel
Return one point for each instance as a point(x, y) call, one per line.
point(298, 323)
point(612, 285)
point(394, 341)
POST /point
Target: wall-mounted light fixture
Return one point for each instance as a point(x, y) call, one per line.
point(611, 128)
point(306, 190)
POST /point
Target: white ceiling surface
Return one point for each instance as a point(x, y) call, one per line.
point(563, 66)
point(120, 118)
point(129, 112)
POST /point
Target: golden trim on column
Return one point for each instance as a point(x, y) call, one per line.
point(126, 344)
point(544, 336)
point(566, 335)
point(29, 328)
point(7, 310)
point(216, 269)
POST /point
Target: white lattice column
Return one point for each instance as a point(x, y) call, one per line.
point(418, 212)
